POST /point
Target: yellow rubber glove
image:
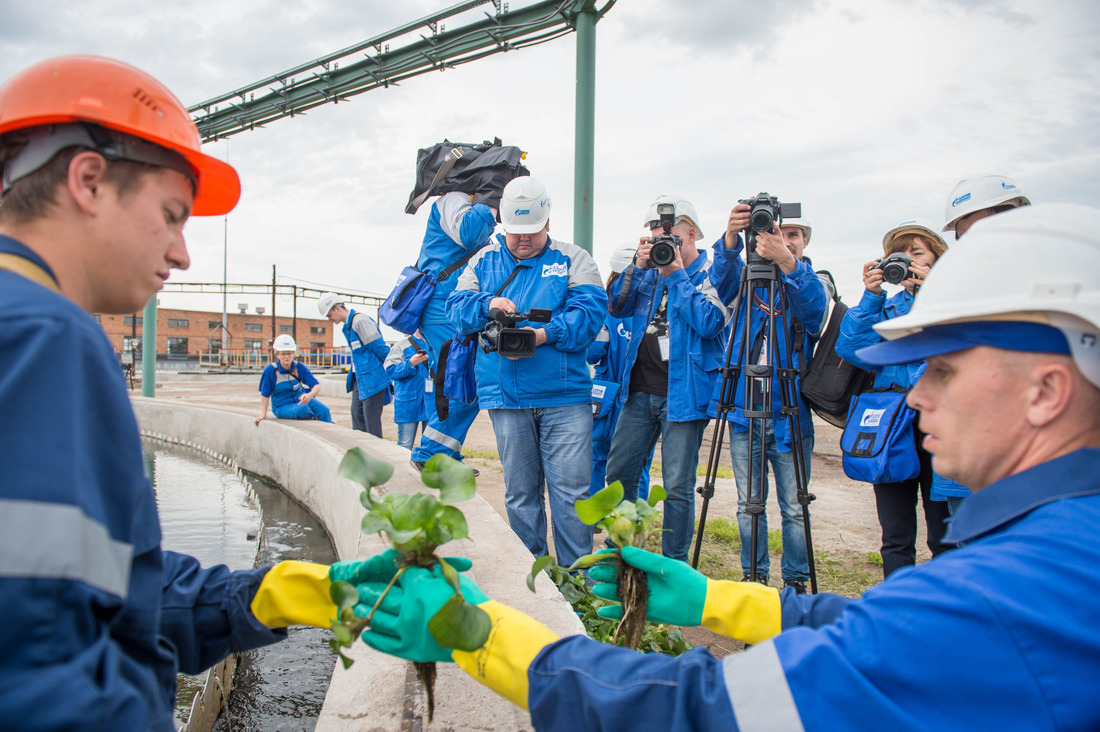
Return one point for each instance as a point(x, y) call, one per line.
point(295, 593)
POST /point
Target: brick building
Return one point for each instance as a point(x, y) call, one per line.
point(195, 332)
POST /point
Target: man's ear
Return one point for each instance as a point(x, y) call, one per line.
point(1053, 387)
point(87, 172)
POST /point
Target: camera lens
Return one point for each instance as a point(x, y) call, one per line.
point(662, 253)
point(894, 272)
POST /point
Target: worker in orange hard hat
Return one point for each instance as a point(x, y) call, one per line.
point(101, 167)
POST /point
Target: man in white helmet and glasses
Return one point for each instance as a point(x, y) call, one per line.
point(974, 198)
point(540, 405)
point(367, 381)
point(1000, 633)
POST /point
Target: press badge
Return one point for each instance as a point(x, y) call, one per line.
point(428, 384)
point(662, 343)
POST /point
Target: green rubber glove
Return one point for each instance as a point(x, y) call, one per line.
point(400, 623)
point(379, 568)
point(677, 592)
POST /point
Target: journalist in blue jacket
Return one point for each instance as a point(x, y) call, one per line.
point(998, 634)
point(97, 618)
point(413, 400)
point(802, 297)
point(541, 407)
point(895, 502)
point(671, 366)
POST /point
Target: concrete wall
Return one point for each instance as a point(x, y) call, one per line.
point(379, 691)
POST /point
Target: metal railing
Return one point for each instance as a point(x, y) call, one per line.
point(250, 358)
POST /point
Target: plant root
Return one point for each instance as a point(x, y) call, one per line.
point(633, 591)
point(425, 674)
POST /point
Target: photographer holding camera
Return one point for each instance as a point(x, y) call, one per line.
point(803, 296)
point(910, 250)
point(540, 405)
point(670, 371)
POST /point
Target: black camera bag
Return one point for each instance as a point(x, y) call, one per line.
point(828, 381)
point(481, 170)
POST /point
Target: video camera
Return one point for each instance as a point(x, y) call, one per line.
point(895, 268)
point(766, 209)
point(497, 337)
point(665, 245)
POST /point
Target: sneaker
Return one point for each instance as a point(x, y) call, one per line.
point(759, 578)
point(420, 467)
point(798, 585)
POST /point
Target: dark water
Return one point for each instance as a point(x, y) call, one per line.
point(206, 511)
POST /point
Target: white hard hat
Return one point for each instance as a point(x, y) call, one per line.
point(284, 342)
point(1035, 265)
point(799, 224)
point(684, 210)
point(327, 302)
point(623, 257)
point(524, 206)
point(979, 192)
point(924, 227)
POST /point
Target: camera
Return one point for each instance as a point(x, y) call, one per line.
point(498, 337)
point(766, 209)
point(895, 268)
point(664, 247)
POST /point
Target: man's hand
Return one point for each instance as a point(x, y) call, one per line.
point(771, 246)
point(676, 263)
point(418, 359)
point(739, 219)
point(872, 277)
point(641, 257)
point(503, 303)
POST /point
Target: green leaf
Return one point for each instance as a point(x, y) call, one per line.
point(365, 470)
point(415, 512)
point(460, 625)
point(366, 499)
point(451, 575)
point(453, 480)
point(591, 510)
point(345, 660)
point(540, 564)
point(342, 633)
point(589, 559)
point(455, 521)
point(656, 493)
point(404, 541)
point(343, 594)
point(374, 523)
point(571, 593)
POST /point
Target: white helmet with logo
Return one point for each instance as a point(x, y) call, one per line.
point(684, 210)
point(924, 227)
point(980, 192)
point(524, 206)
point(284, 342)
point(1034, 264)
point(800, 224)
point(327, 302)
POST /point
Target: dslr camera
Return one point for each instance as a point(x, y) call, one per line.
point(666, 244)
point(499, 337)
point(765, 210)
point(895, 268)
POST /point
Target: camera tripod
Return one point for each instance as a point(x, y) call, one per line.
point(760, 274)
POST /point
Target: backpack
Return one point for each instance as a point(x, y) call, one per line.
point(828, 382)
point(480, 170)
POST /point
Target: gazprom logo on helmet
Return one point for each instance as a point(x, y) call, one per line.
point(960, 199)
point(522, 212)
point(1007, 186)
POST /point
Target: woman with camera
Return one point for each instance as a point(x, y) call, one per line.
point(910, 250)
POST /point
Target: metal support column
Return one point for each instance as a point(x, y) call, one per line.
point(585, 134)
point(149, 349)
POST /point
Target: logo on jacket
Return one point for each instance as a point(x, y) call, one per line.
point(555, 270)
point(623, 331)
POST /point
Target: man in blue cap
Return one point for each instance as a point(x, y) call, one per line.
point(998, 634)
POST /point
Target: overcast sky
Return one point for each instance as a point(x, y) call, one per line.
point(866, 113)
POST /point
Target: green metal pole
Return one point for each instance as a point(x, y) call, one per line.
point(585, 135)
point(149, 349)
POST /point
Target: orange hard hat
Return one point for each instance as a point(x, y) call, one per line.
point(119, 97)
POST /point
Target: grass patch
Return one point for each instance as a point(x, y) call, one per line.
point(847, 573)
point(700, 470)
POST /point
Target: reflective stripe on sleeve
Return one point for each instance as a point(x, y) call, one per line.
point(759, 691)
point(57, 541)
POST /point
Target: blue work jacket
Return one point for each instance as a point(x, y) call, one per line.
point(368, 353)
point(455, 225)
point(564, 279)
point(857, 331)
point(281, 385)
point(806, 300)
point(697, 322)
point(97, 618)
point(1000, 633)
point(412, 399)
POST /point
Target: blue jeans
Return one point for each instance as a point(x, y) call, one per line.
point(443, 435)
point(549, 446)
point(643, 419)
point(796, 563)
point(406, 433)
